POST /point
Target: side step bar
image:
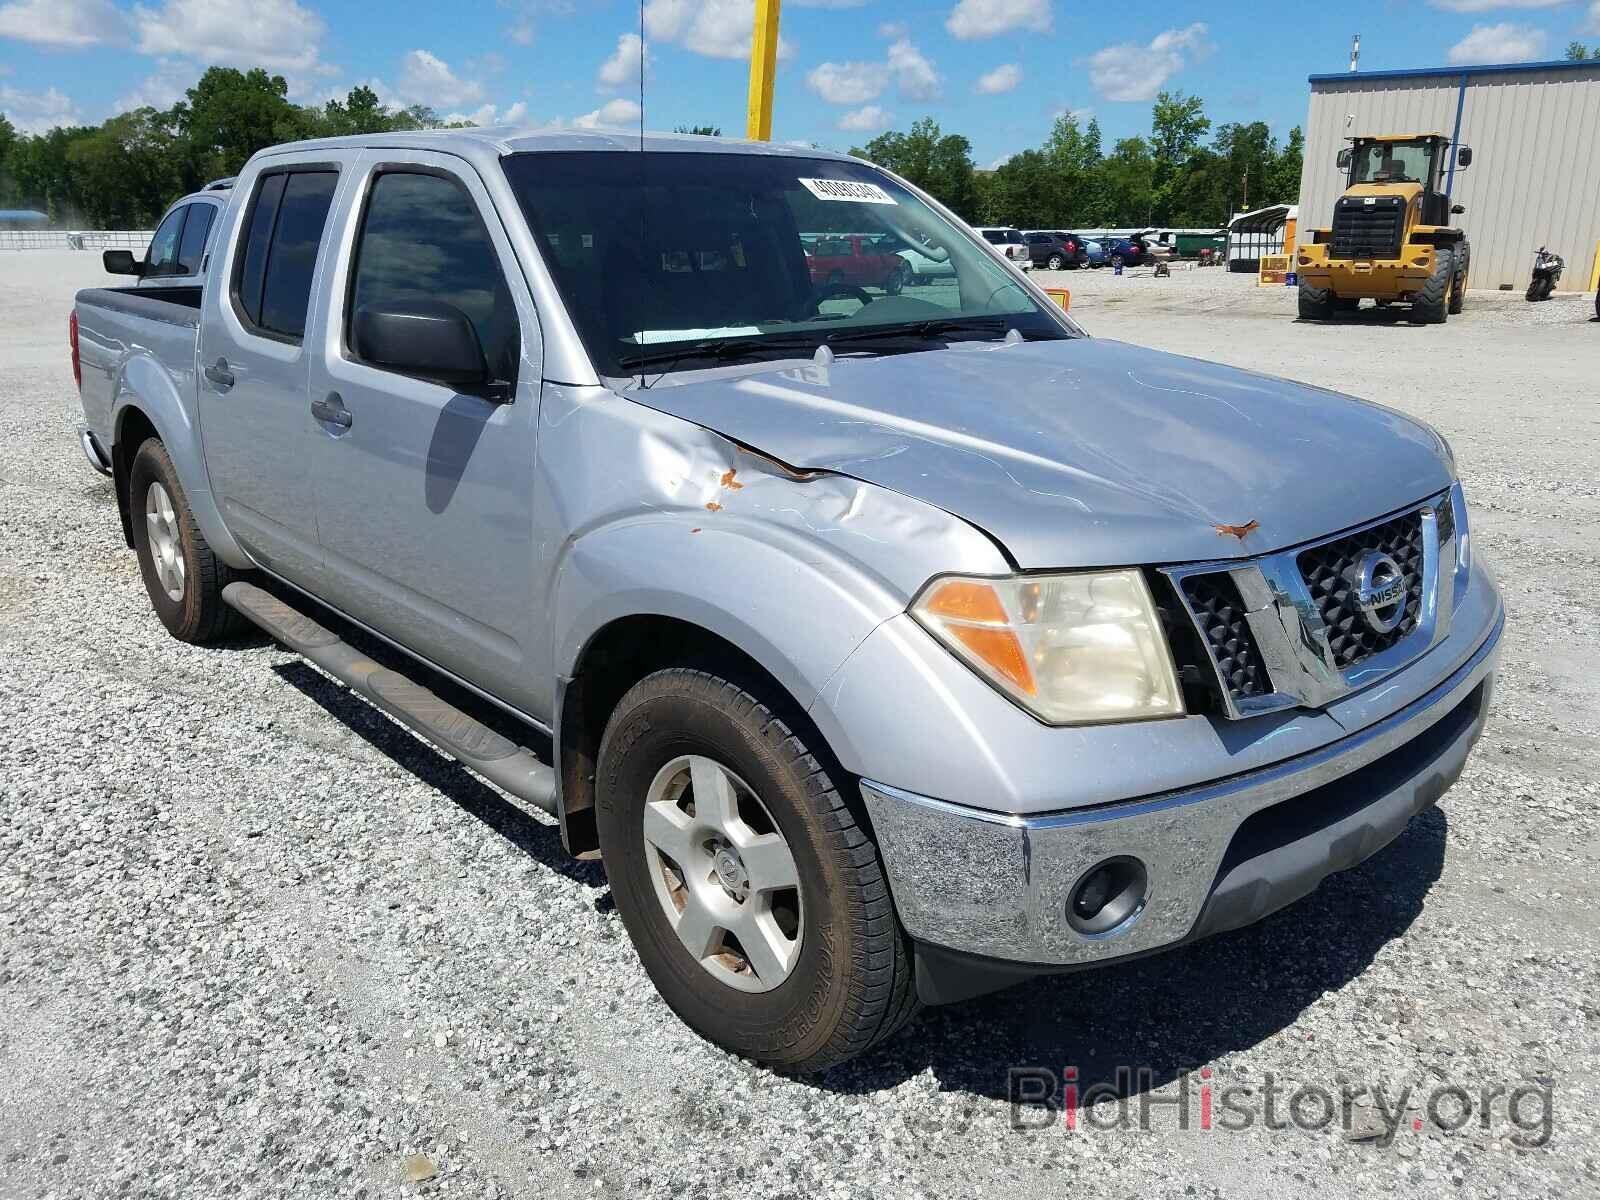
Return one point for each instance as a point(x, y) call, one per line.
point(497, 758)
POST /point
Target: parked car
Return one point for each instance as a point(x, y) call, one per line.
point(924, 267)
point(1055, 250)
point(1010, 242)
point(883, 656)
point(1125, 251)
point(855, 260)
point(1094, 252)
point(177, 251)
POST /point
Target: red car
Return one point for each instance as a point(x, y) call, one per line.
point(858, 260)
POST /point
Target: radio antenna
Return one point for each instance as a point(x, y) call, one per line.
point(644, 381)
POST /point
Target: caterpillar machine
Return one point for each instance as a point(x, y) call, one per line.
point(1392, 238)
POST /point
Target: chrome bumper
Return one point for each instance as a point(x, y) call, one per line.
point(997, 886)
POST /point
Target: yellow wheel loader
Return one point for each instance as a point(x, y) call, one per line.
point(1392, 238)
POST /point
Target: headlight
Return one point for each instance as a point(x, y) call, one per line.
point(1071, 649)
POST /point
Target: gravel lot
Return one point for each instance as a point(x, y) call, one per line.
point(256, 940)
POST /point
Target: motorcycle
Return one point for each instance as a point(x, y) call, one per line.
point(1547, 268)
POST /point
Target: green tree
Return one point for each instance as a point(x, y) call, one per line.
point(230, 114)
point(1283, 179)
point(939, 163)
point(700, 130)
point(1127, 177)
point(127, 171)
point(1177, 124)
point(1578, 52)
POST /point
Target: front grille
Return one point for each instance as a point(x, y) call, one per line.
point(1328, 568)
point(1445, 512)
point(1214, 598)
point(1362, 230)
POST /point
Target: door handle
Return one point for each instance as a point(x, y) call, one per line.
point(218, 375)
point(333, 411)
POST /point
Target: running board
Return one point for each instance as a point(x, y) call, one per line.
point(496, 757)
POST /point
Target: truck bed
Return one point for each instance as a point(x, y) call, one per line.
point(119, 325)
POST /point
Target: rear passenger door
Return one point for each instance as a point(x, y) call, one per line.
point(253, 359)
point(425, 490)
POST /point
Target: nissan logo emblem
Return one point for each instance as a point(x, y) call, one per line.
point(1380, 591)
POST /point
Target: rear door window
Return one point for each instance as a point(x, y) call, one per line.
point(192, 246)
point(162, 257)
point(272, 288)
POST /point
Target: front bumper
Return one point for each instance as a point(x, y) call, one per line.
point(1221, 855)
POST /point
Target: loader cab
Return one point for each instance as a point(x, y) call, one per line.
point(1392, 163)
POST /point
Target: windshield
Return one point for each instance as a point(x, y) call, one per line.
point(667, 259)
point(1391, 162)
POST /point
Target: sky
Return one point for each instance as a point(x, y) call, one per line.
point(998, 71)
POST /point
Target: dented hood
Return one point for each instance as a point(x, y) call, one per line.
point(1085, 452)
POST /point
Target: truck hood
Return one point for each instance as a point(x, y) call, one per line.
point(1081, 453)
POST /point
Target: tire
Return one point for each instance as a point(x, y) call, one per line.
point(1597, 306)
point(1432, 304)
point(1532, 293)
point(1056, 263)
point(849, 977)
point(1316, 304)
point(1458, 286)
point(896, 282)
point(182, 575)
point(1117, 260)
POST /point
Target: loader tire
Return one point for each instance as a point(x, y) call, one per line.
point(1458, 286)
point(1432, 305)
point(1316, 304)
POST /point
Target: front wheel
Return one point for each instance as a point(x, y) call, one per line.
point(896, 282)
point(1432, 303)
point(1316, 304)
point(757, 904)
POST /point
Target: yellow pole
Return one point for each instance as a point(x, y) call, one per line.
point(763, 66)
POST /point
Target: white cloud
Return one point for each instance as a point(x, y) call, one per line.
point(68, 23)
point(35, 112)
point(427, 79)
point(714, 28)
point(1477, 6)
point(621, 70)
point(614, 112)
point(971, 19)
point(848, 83)
point(1131, 72)
point(869, 119)
point(162, 89)
point(914, 75)
point(488, 114)
point(1002, 79)
point(893, 29)
point(1499, 43)
point(1592, 24)
point(280, 35)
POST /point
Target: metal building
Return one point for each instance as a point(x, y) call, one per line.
point(1535, 175)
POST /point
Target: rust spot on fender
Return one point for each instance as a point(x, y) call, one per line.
point(1239, 531)
point(728, 480)
point(713, 506)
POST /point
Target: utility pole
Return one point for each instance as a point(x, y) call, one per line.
point(763, 66)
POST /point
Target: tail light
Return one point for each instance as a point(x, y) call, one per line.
point(72, 338)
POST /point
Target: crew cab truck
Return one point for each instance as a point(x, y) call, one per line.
point(1391, 240)
point(889, 649)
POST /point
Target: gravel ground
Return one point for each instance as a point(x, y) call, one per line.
point(255, 940)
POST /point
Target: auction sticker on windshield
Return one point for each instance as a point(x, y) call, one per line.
point(848, 190)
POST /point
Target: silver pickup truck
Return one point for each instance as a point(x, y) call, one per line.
point(889, 647)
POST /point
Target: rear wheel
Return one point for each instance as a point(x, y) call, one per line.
point(181, 574)
point(1316, 304)
point(758, 905)
point(1432, 303)
point(1056, 262)
point(896, 282)
point(1458, 287)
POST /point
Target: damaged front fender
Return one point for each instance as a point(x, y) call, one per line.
point(644, 513)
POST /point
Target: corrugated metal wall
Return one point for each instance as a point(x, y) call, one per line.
point(1535, 174)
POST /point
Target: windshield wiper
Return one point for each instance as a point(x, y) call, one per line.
point(720, 349)
point(932, 329)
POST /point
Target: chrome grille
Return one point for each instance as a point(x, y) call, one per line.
point(1329, 571)
point(1219, 613)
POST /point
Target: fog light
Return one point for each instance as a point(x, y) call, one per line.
point(1108, 895)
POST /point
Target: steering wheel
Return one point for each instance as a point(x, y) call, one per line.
point(830, 290)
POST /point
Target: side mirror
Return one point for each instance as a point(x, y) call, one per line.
point(1457, 209)
point(1343, 161)
point(121, 262)
point(1463, 156)
point(426, 338)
